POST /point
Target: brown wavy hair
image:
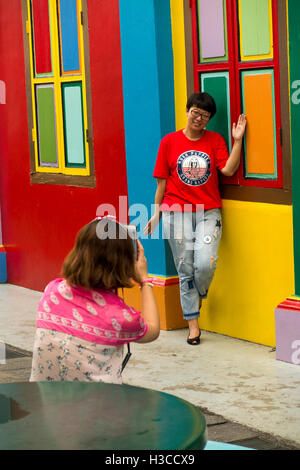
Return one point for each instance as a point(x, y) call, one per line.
point(97, 262)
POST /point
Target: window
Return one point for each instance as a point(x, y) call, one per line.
point(55, 51)
point(239, 57)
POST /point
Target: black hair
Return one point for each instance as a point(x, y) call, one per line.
point(203, 101)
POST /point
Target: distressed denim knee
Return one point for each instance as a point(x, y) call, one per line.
point(208, 236)
point(203, 275)
point(183, 257)
point(189, 297)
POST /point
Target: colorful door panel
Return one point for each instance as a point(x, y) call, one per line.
point(46, 125)
point(260, 140)
point(41, 37)
point(212, 30)
point(256, 31)
point(69, 44)
point(217, 85)
point(73, 124)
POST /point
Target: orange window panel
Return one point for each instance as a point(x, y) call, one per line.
point(260, 140)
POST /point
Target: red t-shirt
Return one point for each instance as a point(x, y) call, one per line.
point(190, 168)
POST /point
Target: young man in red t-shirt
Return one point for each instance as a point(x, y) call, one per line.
point(188, 197)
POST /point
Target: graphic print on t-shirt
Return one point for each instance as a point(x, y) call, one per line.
point(193, 167)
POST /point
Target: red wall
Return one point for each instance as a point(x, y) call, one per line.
point(40, 221)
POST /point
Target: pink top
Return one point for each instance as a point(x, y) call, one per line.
point(97, 316)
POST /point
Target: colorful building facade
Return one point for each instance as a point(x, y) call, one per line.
point(92, 87)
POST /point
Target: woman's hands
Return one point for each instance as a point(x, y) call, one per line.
point(152, 224)
point(141, 267)
point(238, 129)
point(159, 195)
point(149, 306)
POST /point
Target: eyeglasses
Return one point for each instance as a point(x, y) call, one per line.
point(196, 114)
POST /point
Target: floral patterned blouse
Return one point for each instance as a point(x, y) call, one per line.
point(80, 334)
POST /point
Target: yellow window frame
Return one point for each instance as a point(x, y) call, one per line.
point(57, 80)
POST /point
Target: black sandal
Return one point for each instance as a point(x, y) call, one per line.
point(194, 341)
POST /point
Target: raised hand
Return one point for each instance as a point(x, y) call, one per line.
point(141, 268)
point(238, 129)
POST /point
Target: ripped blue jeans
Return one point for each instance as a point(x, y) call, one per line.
point(194, 239)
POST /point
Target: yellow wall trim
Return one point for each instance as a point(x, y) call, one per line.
point(178, 42)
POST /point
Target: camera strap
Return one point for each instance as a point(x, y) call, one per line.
point(126, 358)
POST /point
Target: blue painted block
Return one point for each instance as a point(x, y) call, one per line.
point(3, 271)
point(214, 445)
point(69, 35)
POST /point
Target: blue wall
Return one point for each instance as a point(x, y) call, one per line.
point(149, 108)
point(3, 272)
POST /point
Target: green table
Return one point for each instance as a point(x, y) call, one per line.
point(80, 415)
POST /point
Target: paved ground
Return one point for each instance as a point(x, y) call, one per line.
point(17, 369)
point(240, 386)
